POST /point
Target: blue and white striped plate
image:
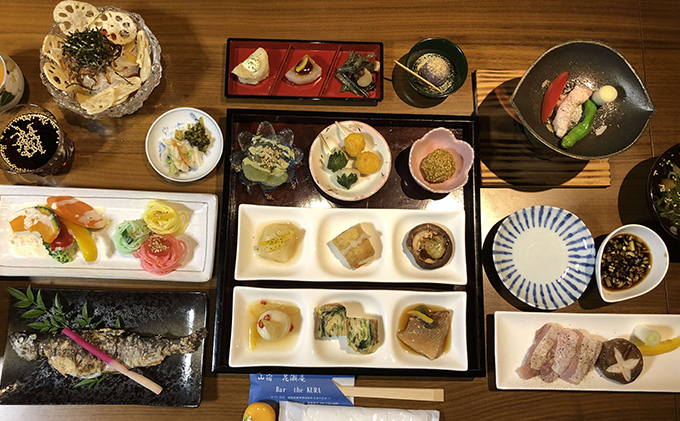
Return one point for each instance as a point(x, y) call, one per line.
point(545, 256)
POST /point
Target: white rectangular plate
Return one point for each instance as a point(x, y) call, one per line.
point(306, 351)
point(119, 205)
point(316, 260)
point(514, 334)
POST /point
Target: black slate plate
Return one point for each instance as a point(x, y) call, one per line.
point(167, 313)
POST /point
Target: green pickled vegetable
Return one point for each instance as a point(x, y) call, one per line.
point(583, 128)
point(347, 180)
point(337, 160)
point(197, 136)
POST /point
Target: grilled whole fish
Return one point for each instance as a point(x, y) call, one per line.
point(129, 348)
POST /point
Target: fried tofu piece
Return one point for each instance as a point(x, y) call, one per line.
point(355, 246)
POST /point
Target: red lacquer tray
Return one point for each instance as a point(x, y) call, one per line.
point(284, 54)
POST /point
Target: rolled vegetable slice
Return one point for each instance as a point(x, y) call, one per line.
point(161, 254)
point(130, 235)
point(164, 219)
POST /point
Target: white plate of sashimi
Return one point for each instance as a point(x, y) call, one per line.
point(22, 258)
point(515, 334)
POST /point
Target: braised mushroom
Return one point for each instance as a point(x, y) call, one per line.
point(430, 245)
point(620, 360)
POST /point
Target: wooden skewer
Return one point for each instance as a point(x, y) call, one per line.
point(342, 129)
point(422, 79)
point(430, 395)
point(323, 140)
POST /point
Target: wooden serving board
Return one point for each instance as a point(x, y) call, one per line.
point(508, 158)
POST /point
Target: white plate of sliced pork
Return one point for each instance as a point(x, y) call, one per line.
point(597, 352)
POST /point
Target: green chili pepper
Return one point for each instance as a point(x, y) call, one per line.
point(583, 128)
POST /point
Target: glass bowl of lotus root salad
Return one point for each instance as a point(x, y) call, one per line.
point(99, 62)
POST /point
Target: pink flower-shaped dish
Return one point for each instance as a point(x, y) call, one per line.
point(441, 138)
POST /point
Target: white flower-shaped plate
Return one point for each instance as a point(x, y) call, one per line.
point(545, 256)
point(164, 128)
point(367, 184)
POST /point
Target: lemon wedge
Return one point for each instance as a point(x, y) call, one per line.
point(662, 348)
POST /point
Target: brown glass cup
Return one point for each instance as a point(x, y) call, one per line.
point(32, 142)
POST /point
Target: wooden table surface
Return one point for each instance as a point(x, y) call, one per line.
point(493, 35)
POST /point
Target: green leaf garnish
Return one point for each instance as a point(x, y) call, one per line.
point(32, 314)
point(347, 180)
point(93, 382)
point(57, 305)
point(17, 294)
point(39, 301)
point(22, 304)
point(38, 325)
point(55, 318)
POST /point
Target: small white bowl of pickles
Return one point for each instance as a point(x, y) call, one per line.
point(631, 261)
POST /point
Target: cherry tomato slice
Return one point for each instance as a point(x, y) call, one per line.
point(552, 95)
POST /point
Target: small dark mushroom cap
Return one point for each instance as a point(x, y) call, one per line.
point(607, 358)
point(429, 263)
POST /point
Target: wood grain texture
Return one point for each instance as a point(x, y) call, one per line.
point(493, 34)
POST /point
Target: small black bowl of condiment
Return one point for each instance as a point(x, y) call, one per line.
point(440, 62)
point(631, 261)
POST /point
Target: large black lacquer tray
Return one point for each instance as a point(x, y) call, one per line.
point(400, 191)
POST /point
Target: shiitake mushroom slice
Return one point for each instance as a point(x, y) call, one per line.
point(430, 255)
point(620, 360)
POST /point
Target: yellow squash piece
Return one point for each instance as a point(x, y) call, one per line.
point(40, 219)
point(662, 348)
point(84, 239)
